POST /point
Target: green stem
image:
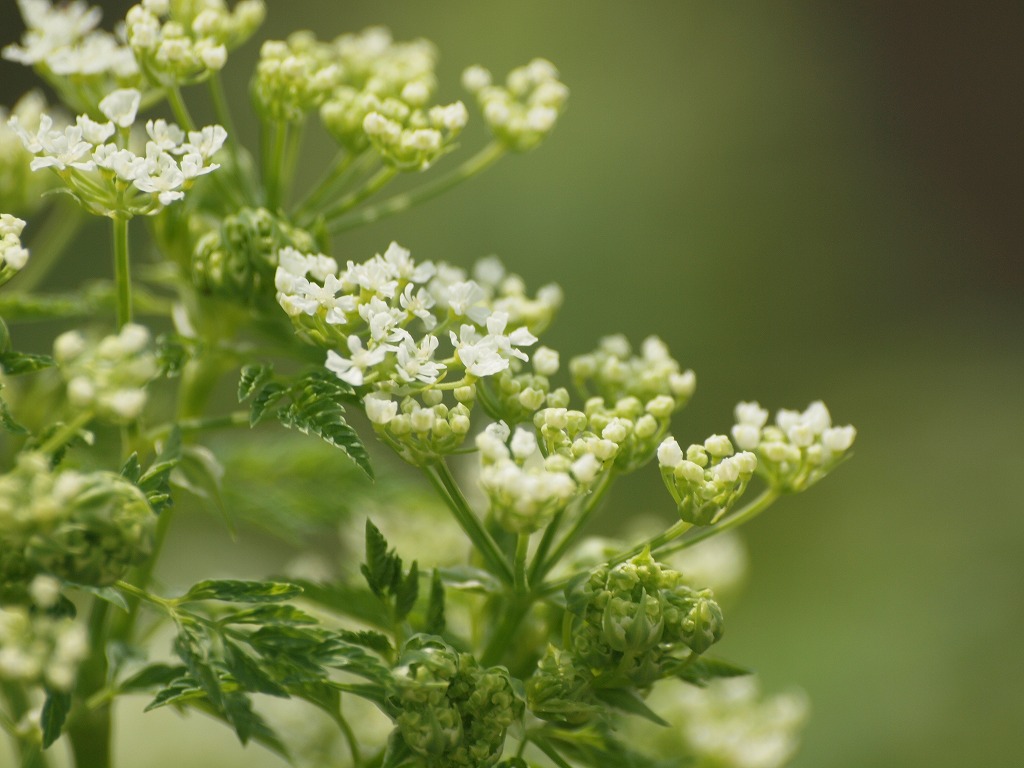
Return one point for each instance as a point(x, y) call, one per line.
point(441, 477)
point(350, 739)
point(336, 173)
point(505, 632)
point(124, 628)
point(522, 548)
point(54, 235)
point(275, 135)
point(89, 728)
point(541, 569)
point(29, 749)
point(188, 426)
point(373, 185)
point(474, 165)
point(60, 438)
point(223, 112)
point(179, 109)
point(749, 512)
point(122, 272)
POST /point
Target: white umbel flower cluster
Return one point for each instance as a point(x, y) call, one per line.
point(109, 179)
point(708, 479)
point(799, 449)
point(412, 139)
point(109, 377)
point(12, 255)
point(64, 40)
point(613, 372)
point(524, 110)
point(39, 649)
point(20, 189)
point(180, 42)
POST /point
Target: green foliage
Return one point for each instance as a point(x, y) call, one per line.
point(310, 403)
point(385, 577)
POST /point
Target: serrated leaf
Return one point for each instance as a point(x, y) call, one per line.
point(248, 672)
point(176, 691)
point(171, 355)
point(407, 591)
point(55, 712)
point(151, 676)
point(15, 363)
point(315, 410)
point(108, 594)
point(435, 620)
point(380, 566)
point(375, 641)
point(355, 601)
point(8, 422)
point(252, 378)
point(235, 591)
point(131, 470)
point(268, 396)
point(703, 670)
point(269, 614)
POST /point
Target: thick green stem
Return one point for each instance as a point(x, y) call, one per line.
point(122, 272)
point(89, 728)
point(749, 512)
point(503, 635)
point(474, 165)
point(441, 477)
point(522, 548)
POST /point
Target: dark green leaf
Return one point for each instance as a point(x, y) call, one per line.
point(252, 378)
point(55, 712)
point(269, 614)
point(151, 676)
point(355, 601)
point(177, 691)
point(435, 620)
point(7, 420)
point(171, 354)
point(703, 670)
point(375, 641)
point(268, 396)
point(628, 701)
point(230, 590)
point(406, 593)
point(131, 470)
point(248, 672)
point(14, 363)
point(382, 568)
point(109, 594)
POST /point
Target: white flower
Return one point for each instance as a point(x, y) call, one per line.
point(167, 136)
point(464, 299)
point(352, 370)
point(93, 132)
point(416, 363)
point(121, 106)
point(545, 361)
point(208, 141)
point(380, 409)
point(669, 453)
point(419, 304)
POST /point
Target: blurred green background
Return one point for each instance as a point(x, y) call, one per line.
point(805, 200)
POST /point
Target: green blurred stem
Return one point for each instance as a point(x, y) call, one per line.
point(125, 627)
point(338, 172)
point(441, 478)
point(373, 185)
point(179, 109)
point(223, 112)
point(474, 165)
point(522, 548)
point(60, 438)
point(273, 141)
point(89, 728)
point(29, 750)
point(541, 567)
point(189, 426)
point(55, 234)
point(350, 739)
point(122, 272)
point(505, 632)
point(746, 514)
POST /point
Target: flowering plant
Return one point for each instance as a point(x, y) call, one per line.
point(525, 645)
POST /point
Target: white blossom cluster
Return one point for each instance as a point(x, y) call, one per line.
point(64, 44)
point(294, 76)
point(525, 486)
point(109, 377)
point(524, 110)
point(109, 179)
point(412, 139)
point(179, 41)
point(20, 189)
point(613, 372)
point(12, 255)
point(799, 449)
point(708, 479)
point(728, 724)
point(39, 649)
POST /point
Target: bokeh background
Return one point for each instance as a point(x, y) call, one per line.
point(805, 200)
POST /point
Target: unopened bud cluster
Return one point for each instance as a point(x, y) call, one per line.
point(109, 179)
point(635, 622)
point(612, 371)
point(12, 255)
point(38, 649)
point(524, 110)
point(183, 41)
point(87, 528)
point(799, 449)
point(421, 430)
point(239, 257)
point(449, 710)
point(108, 378)
point(707, 480)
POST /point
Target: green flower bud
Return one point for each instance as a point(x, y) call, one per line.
point(559, 691)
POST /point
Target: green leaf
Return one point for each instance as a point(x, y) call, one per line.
point(172, 353)
point(435, 620)
point(270, 394)
point(466, 578)
point(252, 378)
point(629, 701)
point(233, 591)
point(152, 676)
point(177, 691)
point(382, 568)
point(15, 363)
point(109, 594)
point(375, 641)
point(269, 614)
point(131, 470)
point(55, 712)
point(406, 593)
point(7, 420)
point(703, 670)
point(155, 482)
point(248, 672)
point(355, 601)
